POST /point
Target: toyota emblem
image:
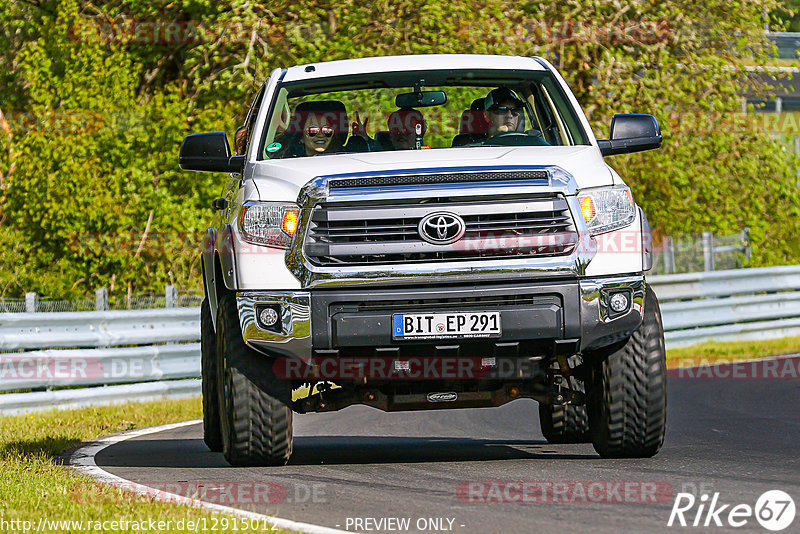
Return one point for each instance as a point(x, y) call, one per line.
point(441, 228)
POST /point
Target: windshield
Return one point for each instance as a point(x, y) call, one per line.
point(418, 111)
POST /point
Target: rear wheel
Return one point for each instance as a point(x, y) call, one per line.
point(256, 418)
point(564, 423)
point(628, 400)
point(212, 434)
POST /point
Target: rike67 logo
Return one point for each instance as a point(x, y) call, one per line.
point(774, 510)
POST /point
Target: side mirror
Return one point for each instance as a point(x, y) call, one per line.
point(208, 152)
point(631, 132)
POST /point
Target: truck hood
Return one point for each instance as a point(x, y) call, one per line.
point(281, 180)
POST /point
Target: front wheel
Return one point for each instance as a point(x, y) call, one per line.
point(628, 400)
point(256, 419)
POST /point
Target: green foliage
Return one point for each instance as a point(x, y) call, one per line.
point(94, 165)
point(786, 17)
point(100, 95)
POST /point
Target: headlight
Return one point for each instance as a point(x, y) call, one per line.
point(269, 223)
point(607, 209)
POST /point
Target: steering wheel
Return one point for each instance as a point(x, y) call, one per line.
point(510, 135)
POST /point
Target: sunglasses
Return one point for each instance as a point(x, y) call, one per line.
point(500, 110)
point(314, 131)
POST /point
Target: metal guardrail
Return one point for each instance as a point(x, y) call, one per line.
point(725, 283)
point(82, 367)
point(19, 403)
point(46, 350)
point(787, 43)
point(154, 348)
point(735, 305)
point(98, 329)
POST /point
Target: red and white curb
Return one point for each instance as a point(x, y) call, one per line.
point(82, 461)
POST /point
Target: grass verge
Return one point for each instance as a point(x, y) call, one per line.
point(718, 352)
point(34, 487)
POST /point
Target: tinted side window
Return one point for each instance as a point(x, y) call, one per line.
point(242, 137)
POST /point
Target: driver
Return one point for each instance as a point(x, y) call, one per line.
point(502, 110)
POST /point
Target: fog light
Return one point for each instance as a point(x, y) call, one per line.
point(268, 317)
point(619, 302)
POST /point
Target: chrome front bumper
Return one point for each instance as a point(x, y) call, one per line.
point(294, 338)
point(597, 325)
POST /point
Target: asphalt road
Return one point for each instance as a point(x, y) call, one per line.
point(738, 437)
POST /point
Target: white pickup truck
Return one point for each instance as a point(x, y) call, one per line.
point(427, 232)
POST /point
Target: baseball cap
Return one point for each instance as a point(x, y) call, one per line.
point(500, 95)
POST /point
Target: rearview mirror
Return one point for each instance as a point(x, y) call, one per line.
point(420, 99)
point(632, 132)
point(208, 152)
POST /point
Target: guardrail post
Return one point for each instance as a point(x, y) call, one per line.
point(708, 251)
point(101, 299)
point(746, 247)
point(171, 294)
point(669, 256)
point(31, 302)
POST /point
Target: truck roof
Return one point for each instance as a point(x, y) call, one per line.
point(410, 63)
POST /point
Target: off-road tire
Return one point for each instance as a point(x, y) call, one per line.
point(628, 397)
point(256, 418)
point(212, 433)
point(564, 423)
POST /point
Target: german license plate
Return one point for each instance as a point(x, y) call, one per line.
point(445, 325)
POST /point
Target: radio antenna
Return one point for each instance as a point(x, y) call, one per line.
point(255, 60)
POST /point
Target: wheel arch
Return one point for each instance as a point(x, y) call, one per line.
point(218, 267)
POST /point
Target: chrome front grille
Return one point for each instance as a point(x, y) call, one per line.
point(390, 234)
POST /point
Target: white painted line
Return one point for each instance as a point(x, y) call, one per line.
point(82, 461)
